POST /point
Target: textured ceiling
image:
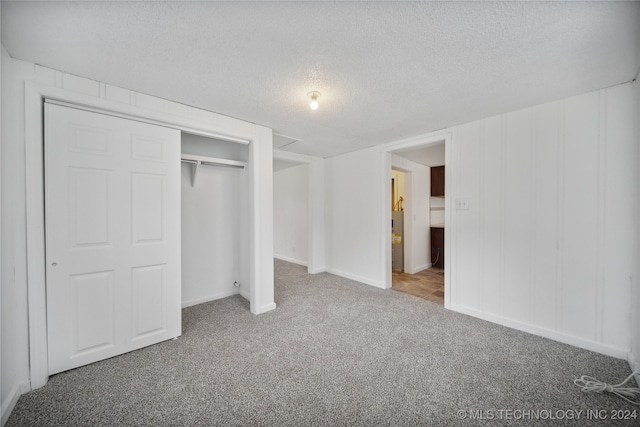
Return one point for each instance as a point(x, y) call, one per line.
point(386, 70)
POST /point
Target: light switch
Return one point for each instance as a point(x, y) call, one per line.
point(462, 204)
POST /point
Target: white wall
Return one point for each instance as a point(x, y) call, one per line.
point(545, 245)
point(354, 208)
point(2, 393)
point(290, 214)
point(634, 356)
point(14, 340)
point(317, 217)
point(417, 184)
point(15, 369)
point(212, 247)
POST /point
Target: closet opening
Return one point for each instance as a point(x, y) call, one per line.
point(215, 204)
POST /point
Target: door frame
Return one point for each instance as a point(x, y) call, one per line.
point(261, 213)
point(385, 226)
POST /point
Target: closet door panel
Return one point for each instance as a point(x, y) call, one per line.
point(112, 201)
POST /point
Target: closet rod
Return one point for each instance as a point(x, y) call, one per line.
point(222, 164)
point(198, 162)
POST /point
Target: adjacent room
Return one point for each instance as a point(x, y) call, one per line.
point(319, 213)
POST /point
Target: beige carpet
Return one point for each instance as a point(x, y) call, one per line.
point(334, 353)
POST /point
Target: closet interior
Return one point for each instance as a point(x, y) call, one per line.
point(215, 219)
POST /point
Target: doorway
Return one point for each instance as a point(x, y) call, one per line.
point(397, 220)
point(424, 210)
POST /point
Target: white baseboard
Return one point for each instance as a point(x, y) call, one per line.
point(634, 364)
point(10, 401)
point(208, 298)
point(265, 308)
point(619, 353)
point(355, 277)
point(293, 260)
point(420, 268)
point(317, 270)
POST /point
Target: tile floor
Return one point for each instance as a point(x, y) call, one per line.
point(427, 284)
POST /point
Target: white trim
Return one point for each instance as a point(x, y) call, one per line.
point(387, 165)
point(421, 267)
point(34, 186)
point(355, 277)
point(264, 308)
point(145, 118)
point(213, 297)
point(33, 133)
point(448, 222)
point(294, 157)
point(418, 141)
point(607, 350)
point(634, 364)
point(292, 260)
point(12, 398)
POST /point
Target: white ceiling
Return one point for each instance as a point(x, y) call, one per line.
point(386, 70)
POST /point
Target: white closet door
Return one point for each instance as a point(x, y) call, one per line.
point(112, 235)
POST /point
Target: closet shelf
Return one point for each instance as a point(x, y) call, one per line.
point(197, 161)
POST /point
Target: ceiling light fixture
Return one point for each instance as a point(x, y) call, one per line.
point(314, 99)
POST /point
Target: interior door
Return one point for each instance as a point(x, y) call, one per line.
point(112, 204)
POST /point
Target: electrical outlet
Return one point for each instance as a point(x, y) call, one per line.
point(462, 204)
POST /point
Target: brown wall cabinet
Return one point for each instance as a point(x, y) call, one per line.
point(437, 181)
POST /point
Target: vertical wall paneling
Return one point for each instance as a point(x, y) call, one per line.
point(517, 214)
point(481, 215)
point(2, 399)
point(559, 217)
point(503, 163)
point(545, 244)
point(579, 281)
point(620, 169)
point(545, 206)
point(600, 213)
point(467, 225)
point(491, 214)
point(634, 356)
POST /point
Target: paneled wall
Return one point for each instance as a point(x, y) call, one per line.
point(290, 214)
point(634, 357)
point(547, 243)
